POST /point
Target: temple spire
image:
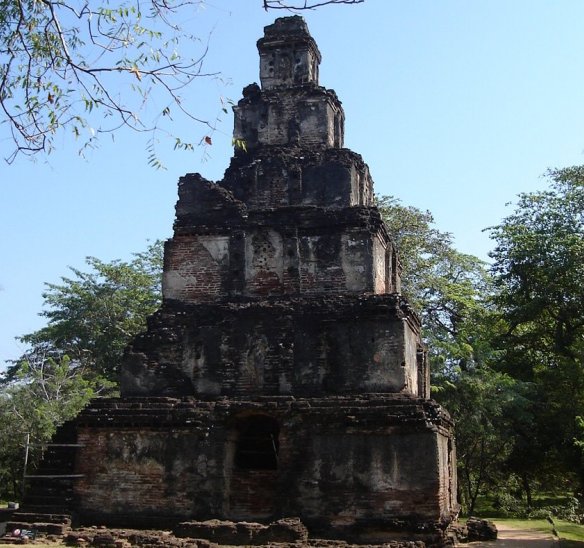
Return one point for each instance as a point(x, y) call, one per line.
point(288, 54)
point(290, 108)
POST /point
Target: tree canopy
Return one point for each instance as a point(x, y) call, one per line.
point(92, 315)
point(43, 393)
point(449, 289)
point(539, 278)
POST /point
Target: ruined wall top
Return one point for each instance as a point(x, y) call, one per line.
point(288, 54)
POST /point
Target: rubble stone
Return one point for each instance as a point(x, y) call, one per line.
point(481, 530)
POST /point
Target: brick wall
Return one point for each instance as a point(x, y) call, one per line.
point(313, 344)
point(342, 462)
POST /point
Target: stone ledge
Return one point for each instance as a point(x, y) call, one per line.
point(379, 410)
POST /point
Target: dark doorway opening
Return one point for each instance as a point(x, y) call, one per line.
point(257, 443)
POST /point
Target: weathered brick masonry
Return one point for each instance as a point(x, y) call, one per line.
point(284, 375)
point(360, 463)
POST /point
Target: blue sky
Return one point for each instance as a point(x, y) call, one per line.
point(457, 106)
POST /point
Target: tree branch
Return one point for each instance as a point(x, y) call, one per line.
point(300, 5)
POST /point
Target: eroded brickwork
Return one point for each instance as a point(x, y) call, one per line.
point(347, 465)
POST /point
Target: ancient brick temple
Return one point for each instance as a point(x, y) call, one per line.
point(284, 375)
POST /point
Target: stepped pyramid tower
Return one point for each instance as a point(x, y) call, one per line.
point(284, 374)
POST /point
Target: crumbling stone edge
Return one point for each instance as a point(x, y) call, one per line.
point(283, 533)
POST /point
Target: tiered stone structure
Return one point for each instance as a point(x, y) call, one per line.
point(284, 375)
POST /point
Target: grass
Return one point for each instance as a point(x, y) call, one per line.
point(571, 534)
point(570, 531)
point(541, 525)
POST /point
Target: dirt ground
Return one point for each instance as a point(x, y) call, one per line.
point(517, 538)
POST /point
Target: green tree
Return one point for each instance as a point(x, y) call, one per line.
point(539, 268)
point(489, 407)
point(45, 394)
point(92, 315)
point(539, 275)
point(449, 289)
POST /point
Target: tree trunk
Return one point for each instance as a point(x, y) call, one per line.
point(527, 489)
